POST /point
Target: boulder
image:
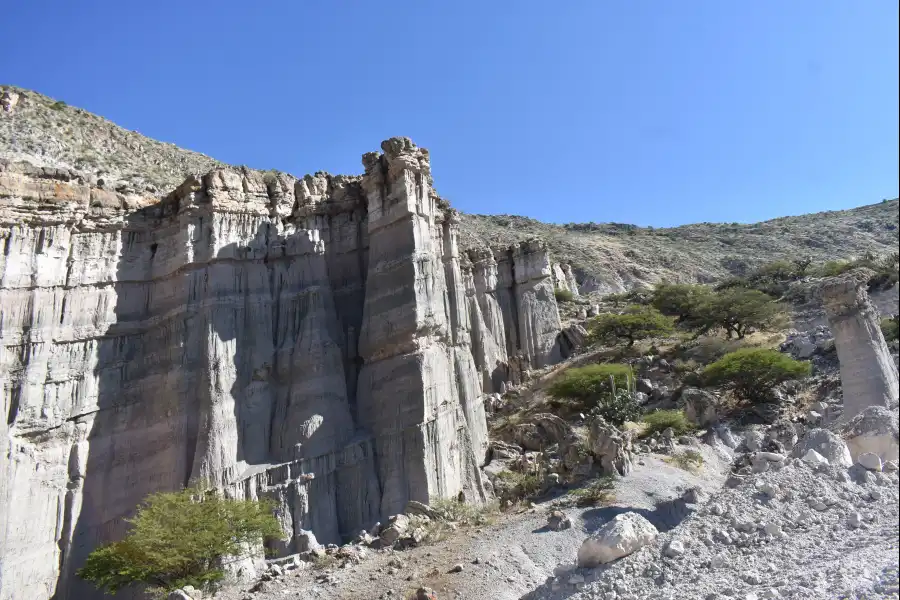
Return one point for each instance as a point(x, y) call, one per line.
point(611, 447)
point(873, 430)
point(425, 593)
point(622, 535)
point(396, 527)
point(700, 406)
point(417, 508)
point(544, 430)
point(557, 521)
point(644, 385)
point(305, 540)
point(870, 461)
point(827, 444)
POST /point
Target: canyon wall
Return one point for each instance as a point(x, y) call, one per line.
point(321, 341)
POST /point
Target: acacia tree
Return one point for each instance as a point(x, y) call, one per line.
point(680, 300)
point(636, 323)
point(178, 539)
point(740, 311)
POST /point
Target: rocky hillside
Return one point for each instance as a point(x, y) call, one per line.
point(49, 133)
point(606, 256)
point(613, 257)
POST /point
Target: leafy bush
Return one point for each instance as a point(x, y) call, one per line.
point(753, 372)
point(584, 383)
point(177, 540)
point(636, 323)
point(890, 327)
point(605, 390)
point(520, 485)
point(58, 105)
point(563, 295)
point(617, 406)
point(739, 312)
point(660, 420)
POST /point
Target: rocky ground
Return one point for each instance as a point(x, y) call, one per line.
point(505, 560)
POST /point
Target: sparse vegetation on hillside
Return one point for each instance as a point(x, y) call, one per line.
point(753, 372)
point(176, 539)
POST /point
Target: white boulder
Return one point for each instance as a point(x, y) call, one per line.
point(826, 444)
point(874, 430)
point(622, 535)
point(870, 461)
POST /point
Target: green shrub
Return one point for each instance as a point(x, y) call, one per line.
point(584, 383)
point(563, 295)
point(890, 327)
point(660, 420)
point(753, 372)
point(176, 540)
point(617, 406)
point(58, 105)
point(520, 485)
point(636, 323)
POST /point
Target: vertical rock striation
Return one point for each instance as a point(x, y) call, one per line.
point(868, 373)
point(321, 341)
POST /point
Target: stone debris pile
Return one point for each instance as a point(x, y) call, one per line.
point(811, 524)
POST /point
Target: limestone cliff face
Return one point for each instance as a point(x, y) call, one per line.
point(320, 341)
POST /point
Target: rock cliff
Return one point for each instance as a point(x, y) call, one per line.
point(321, 341)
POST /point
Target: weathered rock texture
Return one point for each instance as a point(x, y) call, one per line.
point(868, 373)
point(320, 341)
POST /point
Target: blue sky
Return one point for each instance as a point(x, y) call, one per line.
point(641, 111)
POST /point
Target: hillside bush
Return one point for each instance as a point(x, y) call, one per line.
point(638, 322)
point(890, 327)
point(591, 381)
point(617, 406)
point(660, 420)
point(563, 295)
point(178, 539)
point(753, 372)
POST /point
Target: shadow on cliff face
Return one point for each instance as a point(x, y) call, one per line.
point(186, 377)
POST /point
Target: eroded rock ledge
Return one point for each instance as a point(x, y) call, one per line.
point(321, 341)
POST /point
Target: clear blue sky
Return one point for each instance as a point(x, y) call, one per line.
point(642, 111)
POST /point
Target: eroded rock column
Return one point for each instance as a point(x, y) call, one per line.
point(868, 374)
point(409, 395)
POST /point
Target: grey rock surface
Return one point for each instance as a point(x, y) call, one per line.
point(868, 372)
point(319, 341)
